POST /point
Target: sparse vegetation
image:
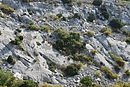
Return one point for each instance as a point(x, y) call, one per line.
point(93, 51)
point(108, 72)
point(81, 57)
point(6, 9)
point(32, 26)
point(89, 33)
point(46, 28)
point(50, 85)
point(106, 31)
point(98, 74)
point(17, 41)
point(52, 16)
point(3, 15)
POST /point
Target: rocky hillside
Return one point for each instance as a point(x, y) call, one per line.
point(62, 41)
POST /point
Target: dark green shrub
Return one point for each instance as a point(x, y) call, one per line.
point(68, 43)
point(67, 1)
point(97, 2)
point(91, 18)
point(71, 70)
point(76, 15)
point(59, 15)
point(87, 81)
point(115, 23)
point(11, 60)
point(105, 14)
point(6, 9)
point(64, 18)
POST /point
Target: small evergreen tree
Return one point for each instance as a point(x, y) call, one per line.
point(97, 2)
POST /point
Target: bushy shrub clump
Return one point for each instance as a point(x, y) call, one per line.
point(115, 23)
point(68, 43)
point(87, 81)
point(71, 70)
point(91, 18)
point(105, 14)
point(6, 9)
point(106, 31)
point(97, 2)
point(108, 72)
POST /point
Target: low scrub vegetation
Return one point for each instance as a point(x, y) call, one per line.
point(32, 26)
point(17, 41)
point(108, 72)
point(118, 59)
point(6, 9)
point(106, 31)
point(46, 28)
point(89, 33)
point(82, 58)
point(50, 85)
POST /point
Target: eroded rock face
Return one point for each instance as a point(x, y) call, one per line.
point(32, 62)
